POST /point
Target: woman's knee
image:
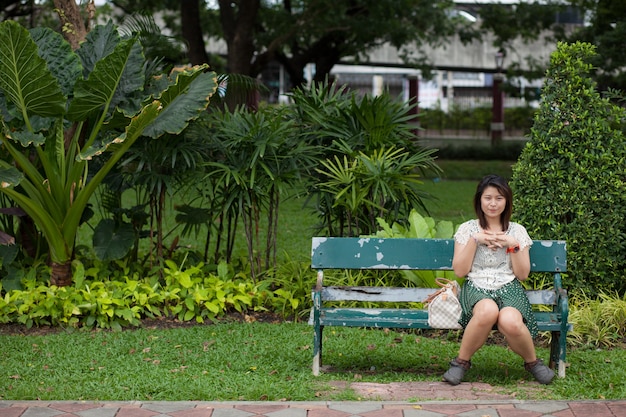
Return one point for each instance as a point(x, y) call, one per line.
point(511, 322)
point(486, 311)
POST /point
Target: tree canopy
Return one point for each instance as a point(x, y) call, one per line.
point(604, 27)
point(295, 33)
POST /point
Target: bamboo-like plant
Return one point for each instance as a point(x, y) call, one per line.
point(260, 157)
point(384, 184)
point(372, 167)
point(61, 108)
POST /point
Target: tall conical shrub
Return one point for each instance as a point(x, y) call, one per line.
point(569, 181)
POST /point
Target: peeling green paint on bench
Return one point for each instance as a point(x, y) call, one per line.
point(424, 254)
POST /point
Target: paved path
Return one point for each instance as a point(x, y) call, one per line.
point(436, 399)
point(485, 408)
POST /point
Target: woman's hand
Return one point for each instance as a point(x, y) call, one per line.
point(496, 240)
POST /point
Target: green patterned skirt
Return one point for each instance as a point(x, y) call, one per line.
point(510, 295)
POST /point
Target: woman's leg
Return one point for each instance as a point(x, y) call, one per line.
point(512, 326)
point(484, 316)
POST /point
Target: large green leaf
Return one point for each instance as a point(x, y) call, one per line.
point(95, 93)
point(444, 229)
point(99, 146)
point(25, 137)
point(129, 94)
point(10, 176)
point(24, 75)
point(62, 62)
point(4, 108)
point(183, 101)
point(99, 43)
point(111, 242)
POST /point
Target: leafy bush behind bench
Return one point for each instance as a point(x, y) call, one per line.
point(569, 182)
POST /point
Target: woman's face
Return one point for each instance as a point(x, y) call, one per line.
point(492, 202)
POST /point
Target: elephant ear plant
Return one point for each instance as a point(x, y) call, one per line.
point(61, 108)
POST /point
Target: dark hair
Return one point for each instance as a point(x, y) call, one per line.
point(503, 187)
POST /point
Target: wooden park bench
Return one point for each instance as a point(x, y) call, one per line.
point(419, 254)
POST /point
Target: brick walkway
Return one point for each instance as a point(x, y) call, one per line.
point(436, 399)
point(409, 391)
point(510, 408)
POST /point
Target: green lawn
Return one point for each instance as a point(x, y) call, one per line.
point(263, 361)
point(474, 170)
point(452, 199)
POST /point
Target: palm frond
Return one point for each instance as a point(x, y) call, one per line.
point(235, 90)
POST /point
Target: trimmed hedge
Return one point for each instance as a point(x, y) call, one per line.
point(507, 151)
point(569, 182)
point(476, 119)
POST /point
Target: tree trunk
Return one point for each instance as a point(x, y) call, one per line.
point(238, 19)
point(74, 28)
point(192, 32)
point(61, 274)
point(75, 31)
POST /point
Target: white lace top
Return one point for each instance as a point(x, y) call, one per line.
point(491, 269)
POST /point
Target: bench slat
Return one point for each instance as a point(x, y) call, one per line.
point(376, 294)
point(428, 254)
point(374, 253)
point(552, 322)
point(409, 295)
point(406, 318)
point(371, 317)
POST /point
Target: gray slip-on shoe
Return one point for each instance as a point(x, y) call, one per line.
point(541, 372)
point(455, 374)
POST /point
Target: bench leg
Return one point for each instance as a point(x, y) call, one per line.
point(317, 350)
point(562, 353)
point(558, 347)
point(554, 349)
point(317, 329)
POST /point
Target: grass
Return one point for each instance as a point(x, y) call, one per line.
point(474, 170)
point(452, 199)
point(263, 361)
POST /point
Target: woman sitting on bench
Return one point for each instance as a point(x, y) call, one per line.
point(492, 252)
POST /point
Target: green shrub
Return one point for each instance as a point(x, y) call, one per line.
point(186, 294)
point(371, 166)
point(569, 181)
point(507, 151)
point(598, 321)
point(475, 119)
point(434, 119)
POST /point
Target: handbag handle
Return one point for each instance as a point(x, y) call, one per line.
point(443, 282)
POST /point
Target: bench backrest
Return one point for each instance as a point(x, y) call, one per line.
point(427, 254)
